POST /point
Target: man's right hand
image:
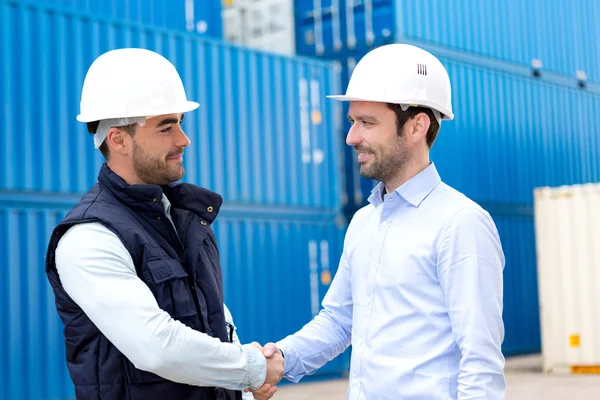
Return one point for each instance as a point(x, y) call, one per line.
point(275, 363)
point(275, 368)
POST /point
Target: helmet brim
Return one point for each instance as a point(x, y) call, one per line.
point(446, 114)
point(175, 109)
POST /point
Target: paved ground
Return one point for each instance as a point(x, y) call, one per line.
point(524, 381)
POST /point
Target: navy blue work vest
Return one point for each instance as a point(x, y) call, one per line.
point(181, 269)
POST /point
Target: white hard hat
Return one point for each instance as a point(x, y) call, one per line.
point(401, 74)
point(129, 83)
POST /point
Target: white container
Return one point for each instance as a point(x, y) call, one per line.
point(260, 24)
point(567, 230)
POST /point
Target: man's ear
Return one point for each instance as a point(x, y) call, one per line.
point(118, 140)
point(420, 124)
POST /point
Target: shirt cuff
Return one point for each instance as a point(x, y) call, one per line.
point(256, 373)
point(288, 361)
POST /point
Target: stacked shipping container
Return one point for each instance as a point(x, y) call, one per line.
point(261, 138)
point(199, 16)
point(513, 131)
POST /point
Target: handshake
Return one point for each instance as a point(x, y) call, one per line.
point(274, 371)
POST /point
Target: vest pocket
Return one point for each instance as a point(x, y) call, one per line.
point(170, 285)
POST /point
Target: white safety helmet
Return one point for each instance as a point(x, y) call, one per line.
point(126, 86)
point(401, 74)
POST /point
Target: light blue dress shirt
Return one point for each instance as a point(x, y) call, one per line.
point(418, 294)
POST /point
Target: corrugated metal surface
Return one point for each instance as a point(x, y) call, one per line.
point(519, 132)
point(32, 365)
point(567, 228)
point(262, 138)
point(563, 35)
point(262, 134)
point(521, 311)
point(200, 16)
point(319, 27)
point(276, 269)
point(330, 28)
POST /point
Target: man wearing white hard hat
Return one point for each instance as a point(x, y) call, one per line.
point(135, 265)
point(418, 292)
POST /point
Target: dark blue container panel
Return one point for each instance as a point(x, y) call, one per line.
point(338, 27)
point(262, 134)
point(514, 133)
point(521, 307)
point(562, 35)
point(33, 364)
point(276, 271)
point(319, 32)
point(199, 16)
point(369, 23)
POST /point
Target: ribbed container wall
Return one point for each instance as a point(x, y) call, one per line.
point(513, 133)
point(562, 35)
point(297, 255)
point(261, 134)
point(261, 138)
point(521, 311)
point(202, 17)
point(32, 365)
point(278, 274)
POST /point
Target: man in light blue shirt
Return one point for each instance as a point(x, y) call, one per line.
point(418, 292)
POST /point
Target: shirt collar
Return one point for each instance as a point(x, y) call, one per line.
point(414, 191)
point(167, 205)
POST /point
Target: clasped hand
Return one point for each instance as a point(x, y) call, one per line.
point(274, 371)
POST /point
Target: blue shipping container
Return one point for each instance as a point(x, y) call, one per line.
point(298, 255)
point(562, 35)
point(262, 138)
point(262, 134)
point(200, 16)
point(341, 26)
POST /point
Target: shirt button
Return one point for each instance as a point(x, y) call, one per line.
point(369, 302)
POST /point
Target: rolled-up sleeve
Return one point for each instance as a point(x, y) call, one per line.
point(97, 272)
point(470, 267)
